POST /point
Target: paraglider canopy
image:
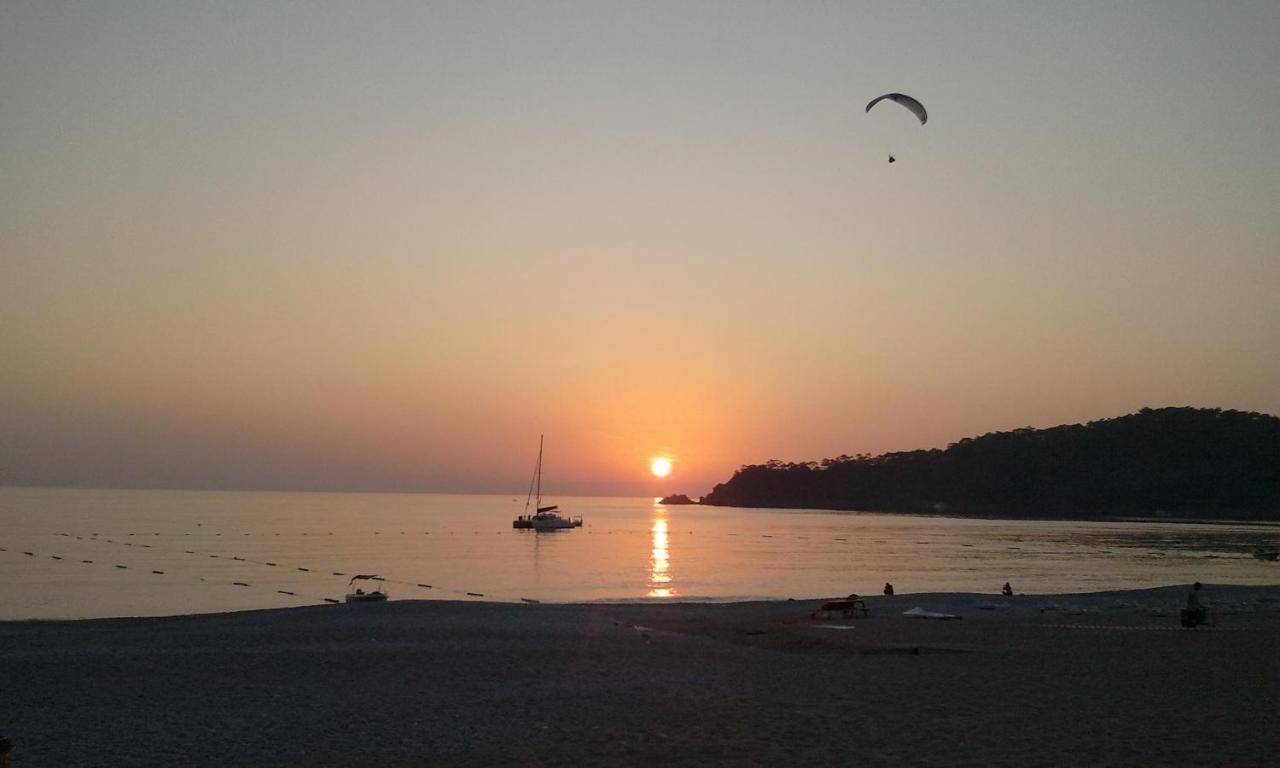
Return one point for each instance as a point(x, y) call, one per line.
point(909, 102)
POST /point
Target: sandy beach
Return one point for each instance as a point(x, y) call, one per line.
point(1105, 679)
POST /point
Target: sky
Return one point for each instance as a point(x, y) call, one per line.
point(385, 246)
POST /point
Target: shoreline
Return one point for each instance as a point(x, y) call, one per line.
point(1262, 522)
point(1239, 599)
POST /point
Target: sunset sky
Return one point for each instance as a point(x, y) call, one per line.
point(384, 246)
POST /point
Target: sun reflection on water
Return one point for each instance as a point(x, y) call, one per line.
point(659, 559)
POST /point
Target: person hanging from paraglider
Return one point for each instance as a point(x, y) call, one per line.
point(893, 159)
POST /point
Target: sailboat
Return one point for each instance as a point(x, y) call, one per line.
point(546, 518)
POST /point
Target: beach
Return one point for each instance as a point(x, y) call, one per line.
point(1105, 679)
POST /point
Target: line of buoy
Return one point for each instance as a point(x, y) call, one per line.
point(239, 584)
point(330, 600)
point(423, 585)
point(55, 557)
point(284, 591)
point(159, 572)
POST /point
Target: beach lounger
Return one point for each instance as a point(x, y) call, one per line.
point(842, 609)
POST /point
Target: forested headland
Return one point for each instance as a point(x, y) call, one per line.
point(1165, 462)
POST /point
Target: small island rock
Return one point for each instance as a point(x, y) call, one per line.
point(676, 498)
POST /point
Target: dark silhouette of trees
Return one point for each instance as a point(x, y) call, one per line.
point(1177, 462)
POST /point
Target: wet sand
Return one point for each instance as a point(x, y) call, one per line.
point(1106, 679)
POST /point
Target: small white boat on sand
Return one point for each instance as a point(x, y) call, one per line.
point(358, 595)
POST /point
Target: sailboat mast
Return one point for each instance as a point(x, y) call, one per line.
point(539, 503)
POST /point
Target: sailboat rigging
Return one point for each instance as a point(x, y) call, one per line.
point(546, 518)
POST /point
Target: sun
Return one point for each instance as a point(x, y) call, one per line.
point(660, 467)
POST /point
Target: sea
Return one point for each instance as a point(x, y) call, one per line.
point(82, 553)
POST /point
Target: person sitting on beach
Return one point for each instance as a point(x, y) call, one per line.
point(888, 588)
point(1007, 591)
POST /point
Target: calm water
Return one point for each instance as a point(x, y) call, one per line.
point(629, 549)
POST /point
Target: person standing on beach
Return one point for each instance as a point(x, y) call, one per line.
point(1007, 591)
point(1194, 614)
point(888, 588)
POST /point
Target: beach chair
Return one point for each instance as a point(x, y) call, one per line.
point(847, 608)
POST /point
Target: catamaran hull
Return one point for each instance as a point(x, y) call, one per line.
point(558, 524)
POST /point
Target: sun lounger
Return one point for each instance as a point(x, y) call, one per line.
point(842, 609)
